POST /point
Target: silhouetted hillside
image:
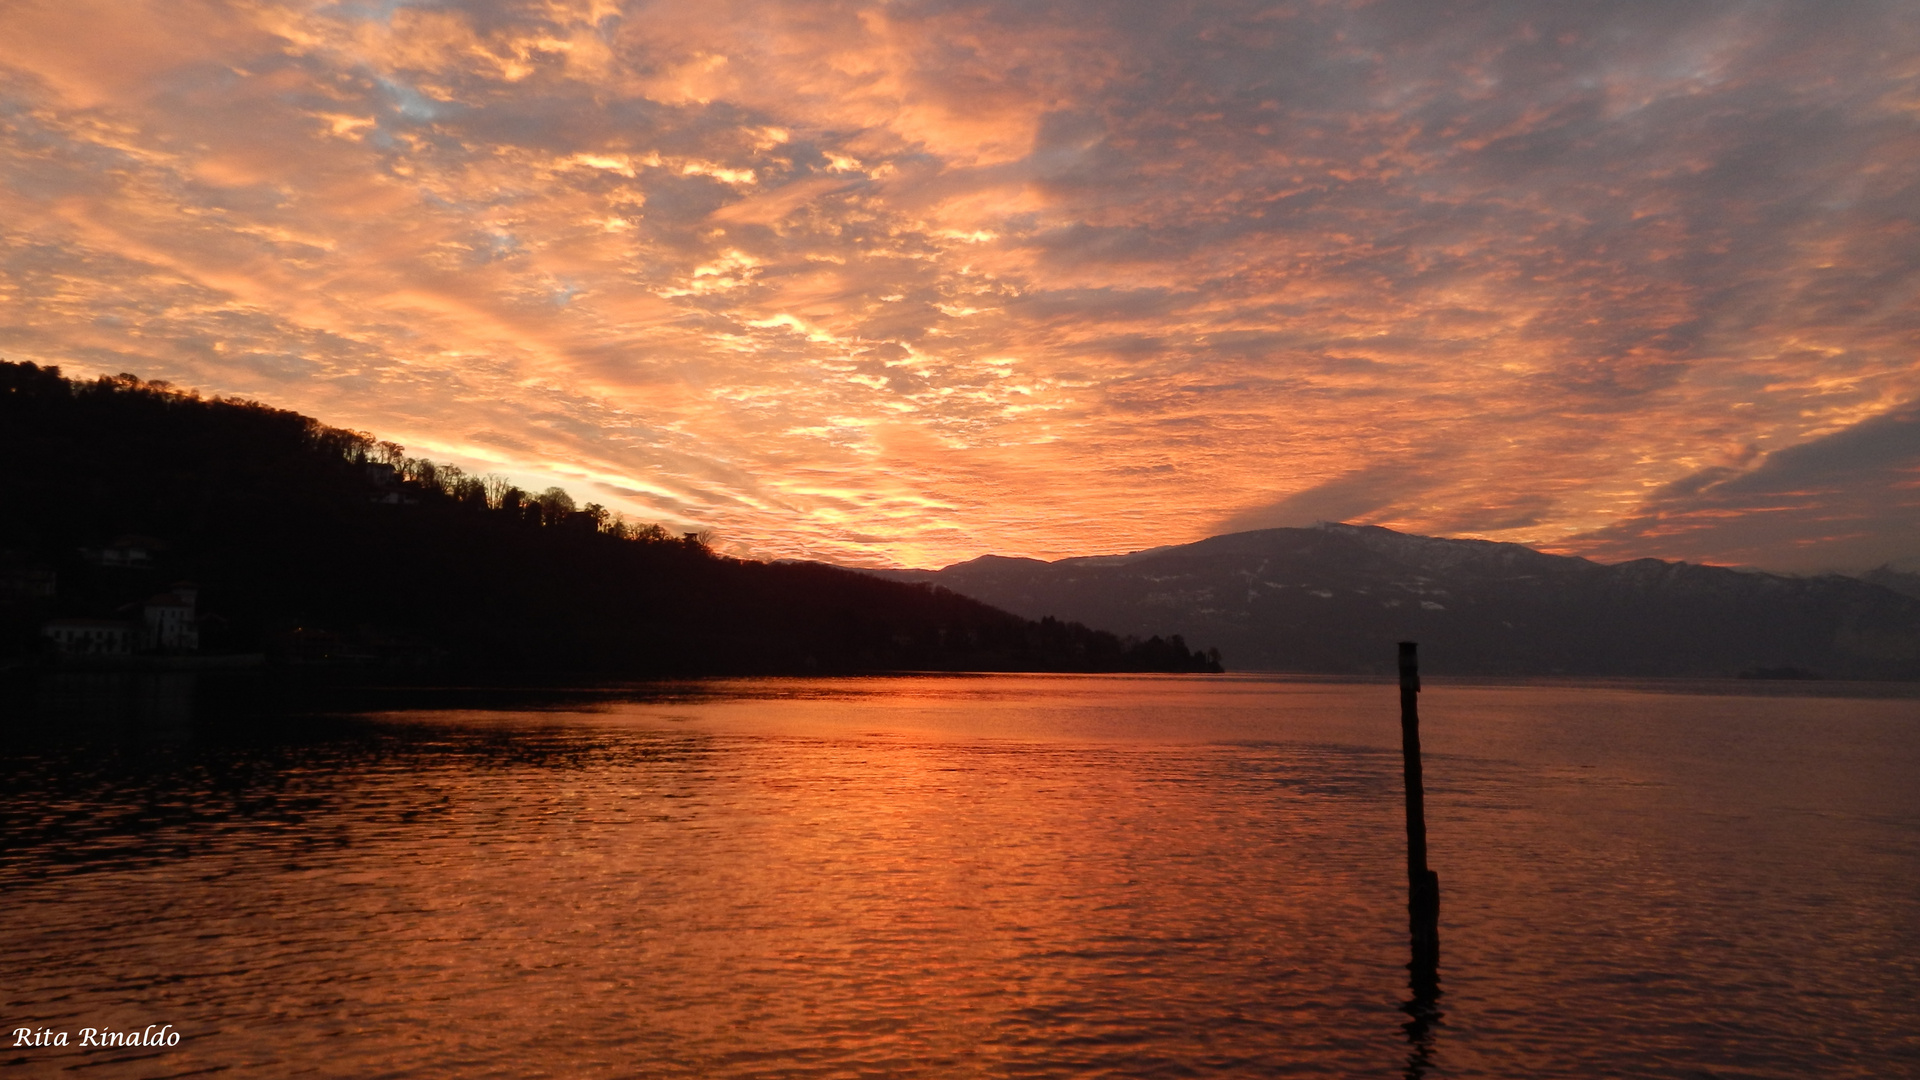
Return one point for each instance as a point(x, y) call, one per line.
point(324, 547)
point(1335, 598)
point(1900, 581)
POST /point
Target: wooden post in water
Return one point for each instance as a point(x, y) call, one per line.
point(1423, 885)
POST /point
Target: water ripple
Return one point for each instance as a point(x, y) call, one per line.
point(1003, 878)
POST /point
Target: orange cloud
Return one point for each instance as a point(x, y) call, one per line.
point(908, 283)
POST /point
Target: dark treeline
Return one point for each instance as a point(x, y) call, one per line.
point(321, 546)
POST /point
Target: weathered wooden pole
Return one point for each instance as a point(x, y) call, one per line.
point(1423, 885)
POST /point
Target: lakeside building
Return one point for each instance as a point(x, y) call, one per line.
point(90, 637)
point(170, 622)
point(27, 581)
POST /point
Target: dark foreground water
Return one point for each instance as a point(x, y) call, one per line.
point(957, 877)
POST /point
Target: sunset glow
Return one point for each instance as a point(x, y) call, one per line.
point(907, 283)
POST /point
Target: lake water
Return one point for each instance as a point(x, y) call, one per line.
point(973, 877)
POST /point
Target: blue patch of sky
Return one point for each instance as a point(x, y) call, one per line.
point(494, 246)
point(374, 10)
point(411, 104)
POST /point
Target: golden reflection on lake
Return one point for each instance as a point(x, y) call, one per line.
point(999, 876)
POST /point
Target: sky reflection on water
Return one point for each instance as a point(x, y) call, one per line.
point(1006, 876)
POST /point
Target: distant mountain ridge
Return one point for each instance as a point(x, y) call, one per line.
point(1334, 598)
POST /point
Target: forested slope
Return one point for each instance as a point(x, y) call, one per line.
point(322, 546)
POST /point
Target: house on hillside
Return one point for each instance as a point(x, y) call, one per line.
point(383, 476)
point(388, 490)
point(130, 552)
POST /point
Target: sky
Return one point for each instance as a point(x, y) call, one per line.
point(904, 283)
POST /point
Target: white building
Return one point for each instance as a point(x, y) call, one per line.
point(89, 637)
point(133, 552)
point(171, 625)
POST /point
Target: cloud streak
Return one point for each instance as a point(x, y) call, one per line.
point(910, 282)
point(1848, 499)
